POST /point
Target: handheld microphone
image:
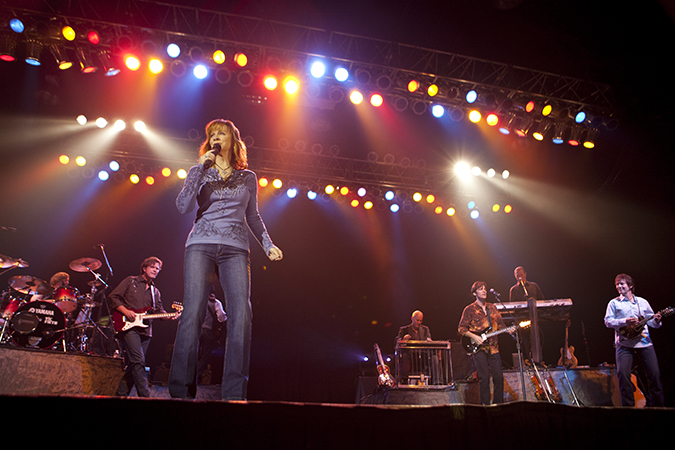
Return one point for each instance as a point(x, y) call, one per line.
point(216, 151)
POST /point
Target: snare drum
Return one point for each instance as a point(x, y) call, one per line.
point(37, 325)
point(9, 302)
point(66, 298)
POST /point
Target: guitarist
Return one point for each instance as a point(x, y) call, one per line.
point(626, 310)
point(133, 295)
point(478, 317)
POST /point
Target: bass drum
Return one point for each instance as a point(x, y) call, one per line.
point(38, 325)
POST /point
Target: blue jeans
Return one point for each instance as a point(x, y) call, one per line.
point(233, 268)
point(624, 367)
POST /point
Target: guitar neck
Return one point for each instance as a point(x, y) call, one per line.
point(505, 330)
point(159, 316)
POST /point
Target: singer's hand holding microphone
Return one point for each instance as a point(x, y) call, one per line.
point(209, 158)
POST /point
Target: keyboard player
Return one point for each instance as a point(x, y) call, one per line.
point(525, 290)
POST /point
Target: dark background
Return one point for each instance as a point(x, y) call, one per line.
point(350, 278)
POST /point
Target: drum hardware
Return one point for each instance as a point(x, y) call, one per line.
point(27, 284)
point(9, 263)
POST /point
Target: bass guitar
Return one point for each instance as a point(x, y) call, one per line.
point(567, 358)
point(122, 323)
point(384, 377)
point(635, 330)
point(470, 345)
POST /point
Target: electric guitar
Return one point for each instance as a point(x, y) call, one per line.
point(384, 377)
point(470, 345)
point(122, 323)
point(567, 358)
point(635, 330)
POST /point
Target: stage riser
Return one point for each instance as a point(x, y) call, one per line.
point(36, 372)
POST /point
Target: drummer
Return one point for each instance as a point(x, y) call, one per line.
point(59, 280)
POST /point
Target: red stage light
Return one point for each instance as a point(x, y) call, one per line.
point(93, 37)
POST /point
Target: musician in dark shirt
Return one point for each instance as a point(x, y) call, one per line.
point(524, 289)
point(136, 294)
point(476, 318)
point(415, 331)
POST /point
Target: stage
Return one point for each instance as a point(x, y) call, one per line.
point(75, 391)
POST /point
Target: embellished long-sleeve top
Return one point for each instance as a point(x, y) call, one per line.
point(225, 208)
point(476, 321)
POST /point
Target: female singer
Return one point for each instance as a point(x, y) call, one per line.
point(226, 194)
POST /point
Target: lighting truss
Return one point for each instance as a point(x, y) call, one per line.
point(266, 36)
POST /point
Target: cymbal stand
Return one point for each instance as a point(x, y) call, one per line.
point(517, 337)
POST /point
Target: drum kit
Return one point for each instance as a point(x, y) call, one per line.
point(37, 315)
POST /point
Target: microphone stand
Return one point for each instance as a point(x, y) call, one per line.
point(520, 356)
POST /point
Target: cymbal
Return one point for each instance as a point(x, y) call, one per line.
point(27, 284)
point(94, 283)
point(7, 262)
point(85, 264)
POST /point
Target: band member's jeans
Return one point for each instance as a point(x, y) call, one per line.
point(485, 364)
point(624, 366)
point(232, 264)
point(134, 347)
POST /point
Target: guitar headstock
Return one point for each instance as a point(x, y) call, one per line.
point(668, 311)
point(525, 324)
point(177, 306)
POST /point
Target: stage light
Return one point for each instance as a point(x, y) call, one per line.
point(132, 62)
point(471, 96)
point(200, 71)
point(437, 111)
point(156, 66)
point(82, 120)
point(491, 173)
point(431, 198)
point(376, 100)
point(475, 171)
point(471, 204)
point(150, 180)
point(456, 114)
point(33, 50)
point(7, 47)
point(361, 192)
point(291, 85)
point(86, 63)
point(93, 37)
point(134, 178)
point(354, 203)
point(505, 174)
point(508, 209)
point(389, 195)
point(108, 68)
point(241, 59)
point(270, 82)
point(413, 85)
point(492, 119)
point(64, 159)
point(291, 193)
point(16, 25)
point(356, 97)
point(173, 50)
point(419, 107)
point(344, 190)
point(547, 110)
point(140, 126)
point(218, 57)
point(580, 117)
point(417, 197)
point(329, 189)
point(81, 161)
point(432, 90)
point(451, 211)
point(61, 57)
point(68, 33)
point(311, 195)
point(495, 207)
point(573, 140)
point(541, 130)
point(119, 125)
point(368, 205)
point(101, 122)
point(558, 132)
point(508, 125)
point(474, 214)
point(317, 69)
point(341, 74)
point(103, 175)
point(529, 106)
point(475, 116)
point(114, 166)
point(589, 142)
point(524, 127)
point(394, 208)
point(438, 210)
point(277, 183)
point(462, 170)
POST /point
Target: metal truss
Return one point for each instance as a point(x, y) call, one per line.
point(265, 36)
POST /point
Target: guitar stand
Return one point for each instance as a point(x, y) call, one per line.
point(575, 400)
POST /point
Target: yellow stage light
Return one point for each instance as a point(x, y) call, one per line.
point(451, 211)
point(277, 183)
point(68, 33)
point(475, 116)
point(134, 178)
point(270, 82)
point(166, 172)
point(156, 66)
point(218, 57)
point(356, 97)
point(81, 161)
point(263, 182)
point(64, 159)
point(241, 59)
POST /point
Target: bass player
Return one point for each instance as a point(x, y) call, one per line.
point(631, 316)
